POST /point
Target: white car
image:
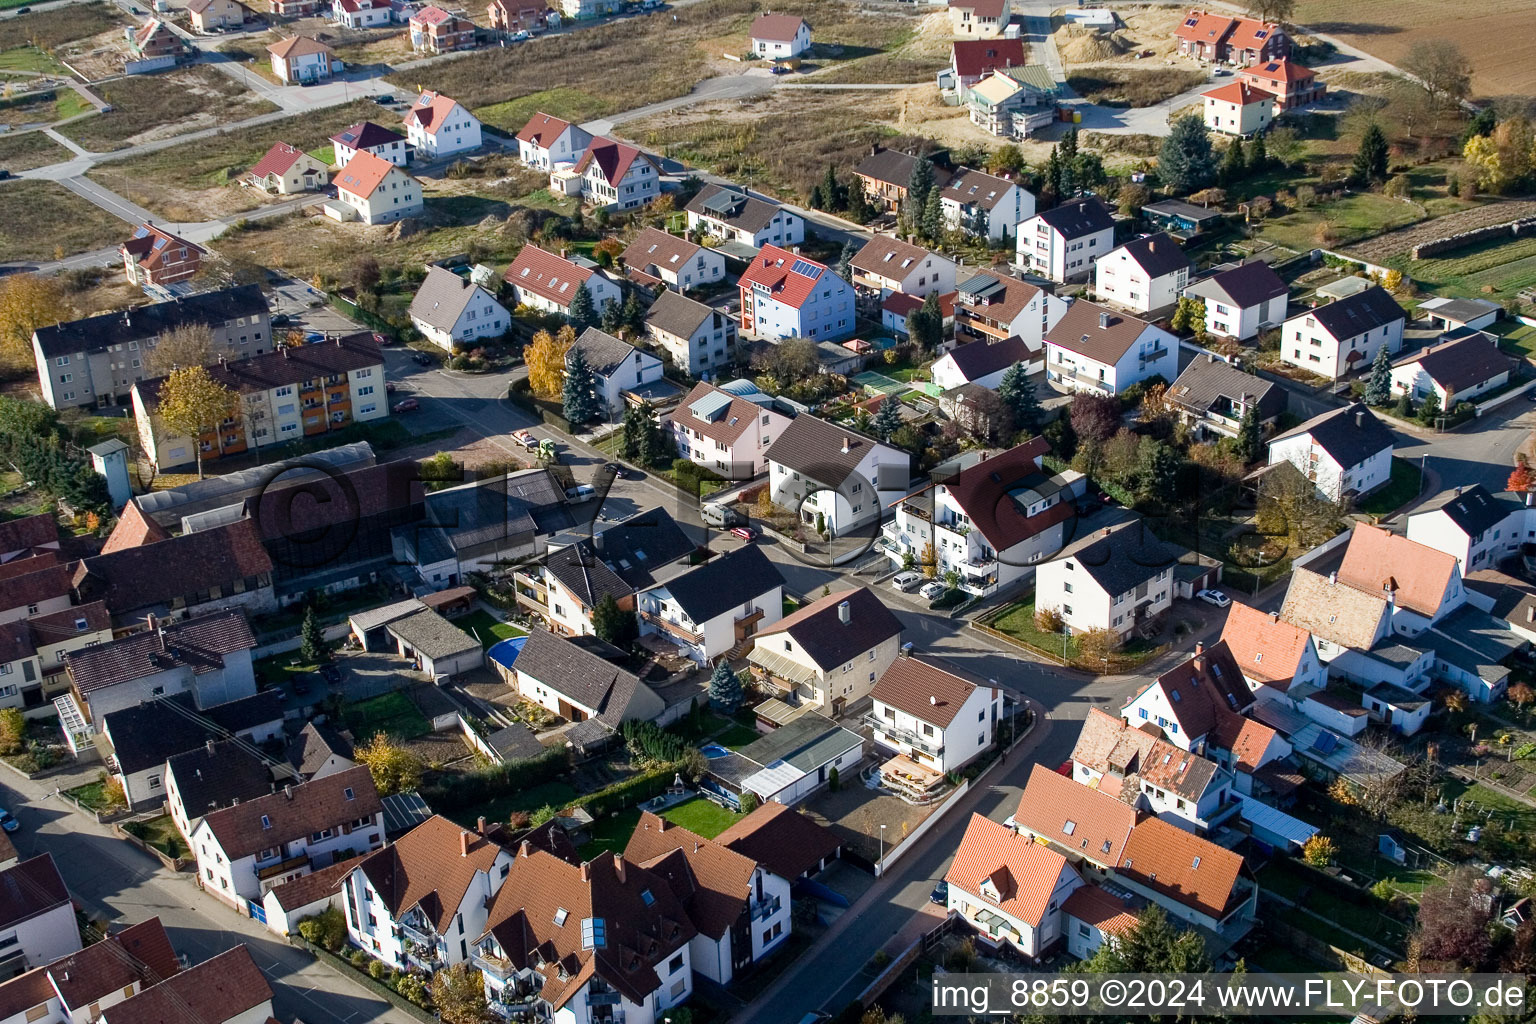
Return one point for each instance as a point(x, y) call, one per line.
point(933, 591)
point(1214, 597)
point(906, 581)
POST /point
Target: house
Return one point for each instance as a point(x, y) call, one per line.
point(799, 757)
point(979, 19)
point(983, 205)
point(1238, 108)
point(1008, 889)
point(548, 282)
point(52, 636)
point(1213, 397)
point(740, 907)
point(154, 45)
point(1115, 579)
point(455, 312)
point(1144, 274)
point(1180, 219)
point(827, 654)
point(971, 60)
point(885, 265)
point(434, 30)
point(295, 8)
point(1013, 102)
point(554, 932)
point(982, 363)
point(1421, 585)
point(360, 14)
point(1063, 242)
point(1146, 771)
point(514, 16)
point(731, 214)
point(580, 679)
point(422, 902)
point(1241, 301)
point(212, 776)
point(886, 173)
point(155, 258)
point(303, 60)
point(1450, 314)
point(995, 306)
point(1477, 528)
point(308, 895)
point(36, 914)
point(437, 126)
point(1399, 710)
point(1095, 349)
point(375, 191)
point(1342, 337)
point(775, 36)
point(700, 339)
point(612, 176)
point(226, 989)
point(28, 537)
point(434, 645)
point(546, 142)
point(211, 15)
point(1457, 368)
point(811, 457)
point(94, 361)
point(899, 305)
point(1272, 653)
point(1220, 38)
point(319, 750)
point(784, 295)
point(41, 591)
point(367, 137)
point(475, 526)
point(725, 430)
point(582, 10)
point(716, 607)
point(1291, 84)
point(925, 712)
point(784, 841)
point(657, 256)
point(145, 737)
point(287, 169)
point(1344, 451)
point(1089, 827)
point(991, 517)
point(208, 657)
point(1095, 914)
point(280, 396)
point(617, 561)
point(1193, 879)
point(245, 850)
point(618, 369)
point(100, 975)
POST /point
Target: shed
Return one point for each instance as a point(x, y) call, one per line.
point(1273, 827)
point(1391, 845)
point(436, 646)
point(1181, 219)
point(503, 654)
point(368, 627)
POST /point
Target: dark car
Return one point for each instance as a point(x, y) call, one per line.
point(4, 174)
point(329, 190)
point(390, 387)
point(385, 100)
point(940, 894)
point(281, 319)
point(405, 405)
point(331, 674)
point(422, 359)
point(23, 10)
point(622, 471)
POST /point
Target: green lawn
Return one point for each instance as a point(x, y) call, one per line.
point(161, 834)
point(701, 816)
point(92, 796)
point(1303, 886)
point(392, 713)
point(280, 668)
point(547, 794)
point(1355, 217)
point(30, 58)
point(611, 833)
point(575, 105)
point(738, 736)
point(70, 104)
point(1516, 337)
point(486, 628)
point(1404, 486)
point(325, 154)
point(1505, 264)
point(1018, 621)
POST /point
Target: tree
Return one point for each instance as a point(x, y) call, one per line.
point(1095, 418)
point(1250, 444)
point(1185, 163)
point(365, 273)
point(833, 193)
point(1133, 196)
point(458, 992)
point(1007, 159)
point(1049, 620)
point(1392, 281)
point(1019, 398)
point(1054, 175)
point(545, 356)
point(13, 730)
point(1234, 164)
point(929, 561)
point(27, 302)
point(192, 402)
point(919, 184)
point(1272, 10)
point(634, 313)
point(1378, 389)
point(1454, 919)
point(312, 646)
point(186, 345)
point(1157, 471)
point(1370, 163)
point(1441, 68)
point(578, 397)
point(724, 688)
point(1096, 645)
point(1152, 946)
point(1520, 479)
point(933, 217)
point(845, 260)
point(925, 325)
point(613, 624)
point(612, 320)
point(1290, 506)
point(1429, 409)
point(583, 313)
point(1520, 694)
point(1319, 851)
point(887, 418)
point(1258, 155)
point(1189, 316)
point(393, 768)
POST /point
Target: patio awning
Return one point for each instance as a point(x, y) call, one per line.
point(779, 712)
point(780, 667)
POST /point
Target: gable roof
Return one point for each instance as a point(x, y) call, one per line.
point(972, 58)
point(278, 160)
point(581, 669)
point(1205, 383)
point(297, 46)
point(1251, 33)
point(1379, 561)
point(218, 989)
point(612, 157)
point(1079, 217)
point(977, 188)
point(199, 644)
point(35, 531)
point(139, 954)
point(780, 28)
point(996, 493)
point(294, 812)
point(781, 839)
point(1120, 558)
point(827, 640)
point(1205, 27)
point(622, 559)
point(442, 298)
point(1472, 509)
point(1349, 435)
point(431, 109)
point(893, 167)
point(1355, 314)
point(1182, 866)
point(316, 885)
point(1095, 906)
point(982, 8)
point(148, 247)
point(56, 627)
point(150, 733)
point(603, 352)
point(1205, 690)
point(98, 333)
point(1265, 647)
point(1000, 296)
point(1282, 71)
point(430, 867)
point(788, 278)
point(30, 888)
point(364, 173)
point(1246, 285)
point(366, 135)
point(1157, 254)
point(432, 635)
point(733, 206)
point(28, 588)
point(1097, 332)
point(1460, 360)
point(1078, 819)
point(824, 451)
point(177, 567)
point(676, 314)
point(722, 584)
point(287, 365)
point(1241, 93)
point(545, 274)
point(889, 257)
point(711, 880)
point(218, 775)
point(1023, 874)
point(924, 690)
point(315, 745)
point(655, 250)
point(1120, 751)
point(1333, 610)
point(542, 130)
point(716, 413)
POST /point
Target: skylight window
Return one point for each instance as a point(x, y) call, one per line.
point(1069, 828)
point(594, 933)
point(560, 915)
point(266, 822)
point(647, 897)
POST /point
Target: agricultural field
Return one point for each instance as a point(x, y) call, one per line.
point(30, 58)
point(1400, 243)
point(41, 219)
point(1132, 87)
point(1496, 269)
point(150, 107)
point(916, 59)
point(53, 28)
point(1494, 34)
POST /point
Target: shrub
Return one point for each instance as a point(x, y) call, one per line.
point(1049, 620)
point(652, 741)
point(327, 929)
point(359, 959)
point(630, 791)
point(378, 970)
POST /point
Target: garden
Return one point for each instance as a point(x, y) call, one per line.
point(393, 714)
point(160, 833)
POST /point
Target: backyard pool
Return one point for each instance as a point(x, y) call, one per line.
point(714, 750)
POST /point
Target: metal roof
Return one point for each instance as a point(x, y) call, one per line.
point(1263, 816)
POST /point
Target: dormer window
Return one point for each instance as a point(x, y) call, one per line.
point(266, 822)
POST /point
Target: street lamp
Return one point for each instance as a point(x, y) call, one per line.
point(882, 852)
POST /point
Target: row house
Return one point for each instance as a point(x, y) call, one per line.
point(829, 653)
point(280, 396)
point(832, 477)
point(1273, 655)
point(155, 258)
point(32, 674)
point(784, 295)
point(732, 214)
point(434, 30)
point(547, 282)
point(699, 339)
point(994, 306)
point(725, 430)
point(925, 712)
point(1225, 39)
point(1063, 243)
point(1092, 348)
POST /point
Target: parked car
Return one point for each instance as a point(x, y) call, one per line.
point(405, 405)
point(390, 387)
point(521, 36)
point(744, 532)
point(4, 174)
point(1214, 597)
point(23, 10)
point(933, 591)
point(779, 69)
point(940, 894)
point(385, 100)
point(422, 359)
point(906, 582)
point(581, 492)
point(8, 821)
point(281, 320)
point(330, 673)
point(313, 338)
point(526, 439)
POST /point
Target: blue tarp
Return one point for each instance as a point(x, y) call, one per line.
point(506, 652)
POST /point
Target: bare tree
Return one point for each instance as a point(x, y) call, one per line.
point(1441, 67)
point(1454, 920)
point(180, 347)
point(1272, 10)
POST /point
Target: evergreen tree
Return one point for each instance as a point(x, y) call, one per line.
point(1378, 389)
point(613, 624)
point(1249, 441)
point(1018, 396)
point(859, 210)
point(933, 217)
point(978, 224)
point(1185, 163)
point(1258, 155)
point(845, 260)
point(919, 185)
point(1069, 146)
point(633, 433)
point(312, 647)
point(1157, 467)
point(1234, 164)
point(578, 399)
point(634, 313)
point(612, 318)
point(887, 418)
point(1053, 175)
point(724, 688)
point(833, 193)
point(657, 448)
point(816, 200)
point(1429, 409)
point(925, 325)
point(1370, 164)
point(583, 313)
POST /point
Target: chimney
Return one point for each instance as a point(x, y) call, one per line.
point(480, 824)
point(463, 844)
point(1210, 357)
point(209, 746)
point(1199, 647)
point(873, 148)
point(1103, 320)
point(846, 444)
point(1274, 616)
point(524, 849)
point(563, 252)
point(586, 871)
point(933, 701)
point(1333, 577)
point(1359, 419)
point(154, 623)
point(618, 866)
point(1151, 245)
point(844, 613)
point(1530, 613)
point(288, 791)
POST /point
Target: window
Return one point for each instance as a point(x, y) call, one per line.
point(676, 963)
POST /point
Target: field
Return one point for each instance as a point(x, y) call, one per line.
point(1346, 220)
point(1399, 243)
point(393, 713)
point(1516, 337)
point(39, 219)
point(150, 107)
point(30, 58)
point(1132, 87)
point(193, 181)
point(1494, 34)
point(53, 28)
point(1495, 269)
point(915, 59)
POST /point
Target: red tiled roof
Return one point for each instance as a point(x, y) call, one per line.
point(901, 304)
point(1182, 866)
point(431, 108)
point(297, 46)
point(1205, 690)
point(542, 129)
point(1265, 646)
point(363, 173)
point(780, 28)
point(1024, 874)
point(1204, 27)
point(982, 8)
point(136, 578)
point(149, 246)
point(1251, 34)
point(984, 491)
point(310, 807)
point(46, 582)
point(102, 969)
point(1280, 71)
point(1093, 906)
point(1240, 93)
point(1074, 817)
point(546, 274)
point(219, 989)
point(133, 529)
point(430, 867)
point(278, 160)
point(433, 15)
point(974, 58)
point(1380, 562)
point(41, 530)
point(613, 158)
point(1246, 738)
point(774, 269)
point(781, 839)
point(711, 881)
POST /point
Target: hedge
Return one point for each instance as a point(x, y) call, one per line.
point(343, 966)
point(521, 395)
point(455, 792)
point(654, 741)
point(632, 790)
point(372, 321)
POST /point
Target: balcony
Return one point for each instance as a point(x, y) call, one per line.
point(513, 1008)
point(498, 967)
point(603, 998)
point(1151, 354)
point(688, 636)
point(413, 927)
point(282, 867)
point(765, 907)
point(916, 510)
point(927, 744)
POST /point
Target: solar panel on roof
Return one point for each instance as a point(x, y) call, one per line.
point(1325, 743)
point(805, 269)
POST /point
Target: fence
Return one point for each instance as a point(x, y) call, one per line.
point(346, 970)
point(172, 863)
point(1508, 396)
point(895, 853)
point(335, 631)
point(1322, 549)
